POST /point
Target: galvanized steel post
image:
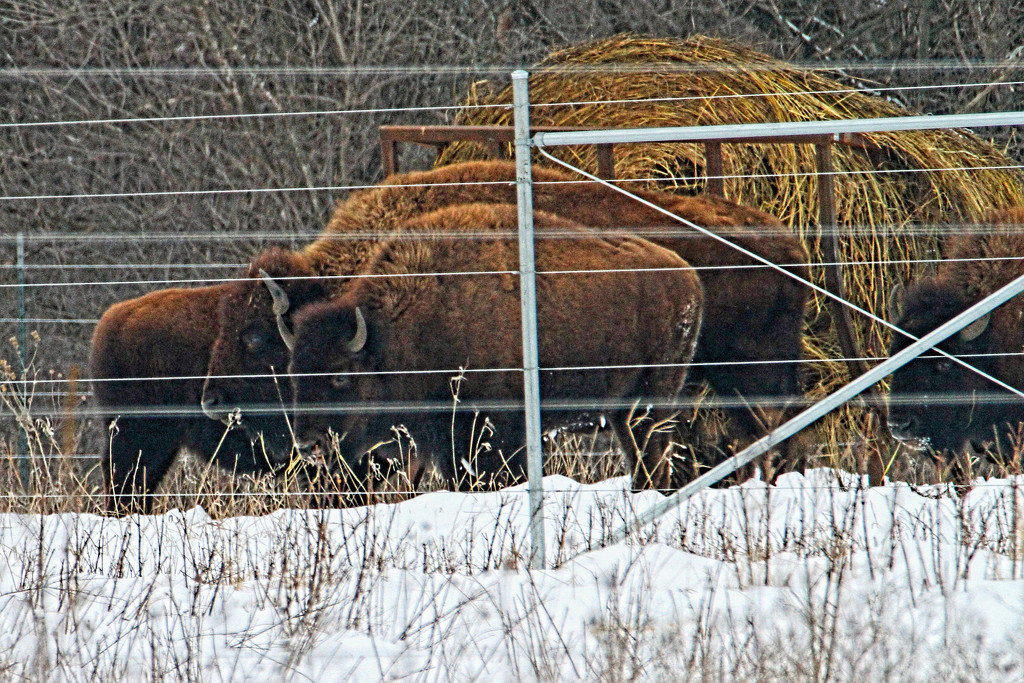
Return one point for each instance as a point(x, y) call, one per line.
point(528, 294)
point(22, 329)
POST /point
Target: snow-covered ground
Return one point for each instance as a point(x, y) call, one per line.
point(815, 578)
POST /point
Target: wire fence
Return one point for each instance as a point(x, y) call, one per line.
point(670, 178)
point(582, 69)
point(25, 388)
point(851, 230)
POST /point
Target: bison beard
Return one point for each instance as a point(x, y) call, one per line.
point(633, 331)
point(938, 406)
point(148, 358)
point(752, 314)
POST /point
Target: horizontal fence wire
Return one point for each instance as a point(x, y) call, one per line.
point(447, 406)
point(350, 188)
point(119, 266)
point(44, 321)
point(593, 271)
point(742, 266)
point(888, 65)
point(583, 406)
point(244, 116)
point(995, 83)
point(468, 371)
point(896, 231)
point(581, 433)
point(938, 490)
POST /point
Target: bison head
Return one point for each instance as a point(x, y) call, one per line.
point(936, 404)
point(250, 357)
point(333, 371)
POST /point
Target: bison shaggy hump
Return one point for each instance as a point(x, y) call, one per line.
point(937, 405)
point(630, 332)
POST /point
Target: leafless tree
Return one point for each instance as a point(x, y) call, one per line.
point(169, 63)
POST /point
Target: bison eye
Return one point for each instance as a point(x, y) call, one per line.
point(341, 381)
point(254, 338)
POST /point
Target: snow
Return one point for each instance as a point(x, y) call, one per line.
point(815, 577)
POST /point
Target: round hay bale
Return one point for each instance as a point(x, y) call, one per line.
point(891, 203)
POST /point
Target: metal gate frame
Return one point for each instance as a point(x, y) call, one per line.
point(828, 128)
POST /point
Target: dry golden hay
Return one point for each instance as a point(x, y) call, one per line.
point(890, 203)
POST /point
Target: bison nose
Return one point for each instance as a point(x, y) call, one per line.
point(305, 447)
point(902, 427)
point(213, 403)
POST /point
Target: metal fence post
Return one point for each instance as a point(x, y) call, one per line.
point(24, 468)
point(528, 299)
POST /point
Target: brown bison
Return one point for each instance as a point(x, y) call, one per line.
point(148, 359)
point(753, 314)
point(249, 357)
point(388, 350)
point(937, 405)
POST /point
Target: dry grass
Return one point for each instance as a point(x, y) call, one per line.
point(46, 470)
point(892, 203)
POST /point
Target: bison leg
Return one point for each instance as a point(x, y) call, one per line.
point(232, 452)
point(761, 394)
point(138, 454)
point(472, 452)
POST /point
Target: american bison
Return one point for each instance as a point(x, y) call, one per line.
point(249, 357)
point(399, 341)
point(753, 314)
point(937, 405)
point(148, 360)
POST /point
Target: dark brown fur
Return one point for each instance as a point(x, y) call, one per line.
point(752, 314)
point(247, 366)
point(162, 335)
point(436, 322)
point(942, 407)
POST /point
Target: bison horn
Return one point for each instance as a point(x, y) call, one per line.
point(286, 335)
point(281, 305)
point(896, 297)
point(974, 330)
point(277, 293)
point(359, 340)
